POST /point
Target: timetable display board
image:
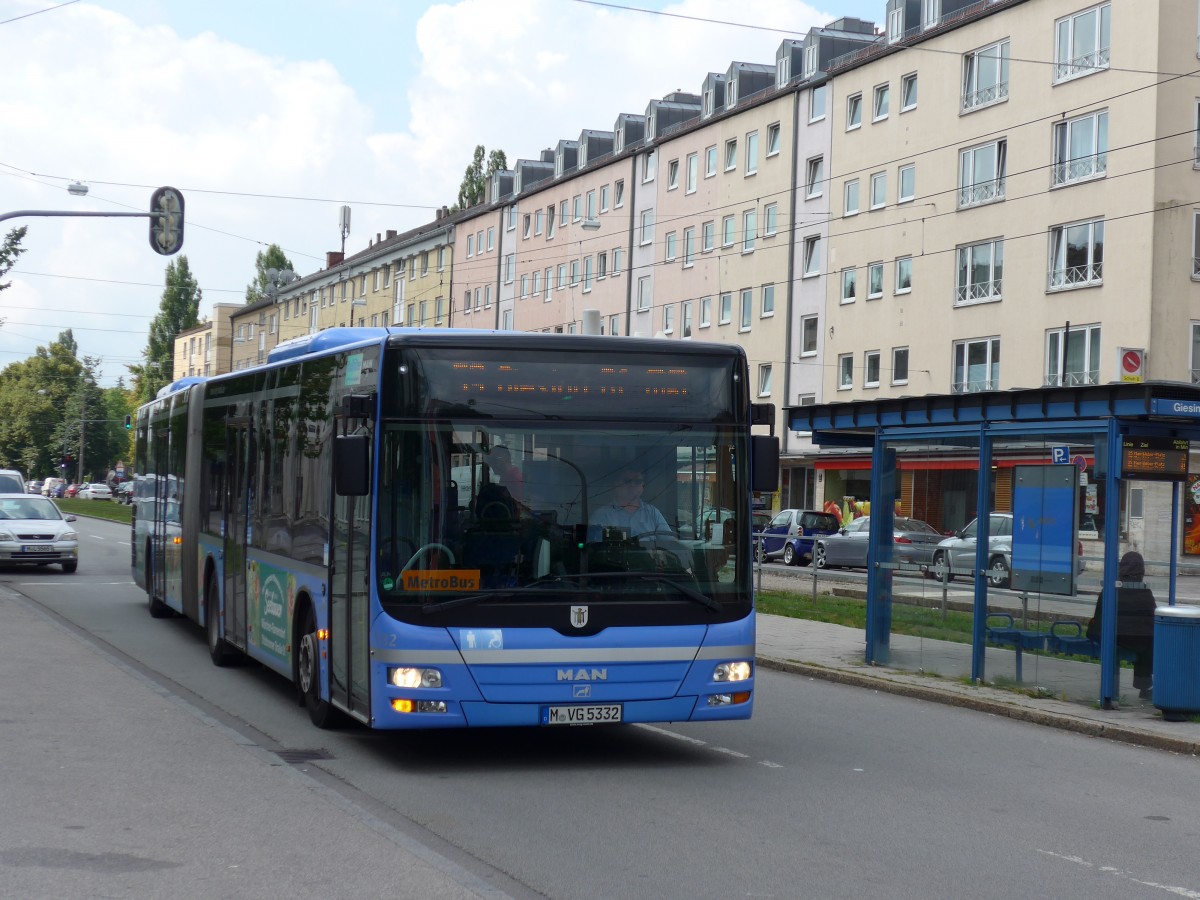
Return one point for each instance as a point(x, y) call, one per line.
point(1154, 458)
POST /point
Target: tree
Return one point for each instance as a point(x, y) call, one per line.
point(9, 251)
point(271, 258)
point(179, 310)
point(475, 181)
point(40, 400)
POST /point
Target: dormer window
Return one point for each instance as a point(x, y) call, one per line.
point(783, 71)
point(810, 61)
point(731, 93)
point(707, 108)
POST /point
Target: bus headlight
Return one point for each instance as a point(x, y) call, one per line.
point(733, 671)
point(415, 678)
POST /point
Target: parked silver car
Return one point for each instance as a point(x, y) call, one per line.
point(959, 551)
point(34, 533)
point(913, 541)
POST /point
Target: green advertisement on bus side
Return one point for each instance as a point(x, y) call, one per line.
point(271, 600)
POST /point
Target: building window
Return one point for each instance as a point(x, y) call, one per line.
point(976, 366)
point(564, 212)
point(882, 97)
point(906, 183)
point(693, 172)
point(764, 380)
point(574, 272)
point(604, 197)
point(726, 312)
point(669, 319)
point(903, 274)
point(816, 101)
point(705, 312)
point(1195, 366)
point(853, 111)
point(812, 256)
point(1082, 42)
point(685, 319)
point(649, 163)
point(985, 76)
point(689, 247)
point(551, 222)
point(647, 227)
point(908, 92)
point(511, 222)
point(644, 293)
point(808, 336)
point(752, 153)
point(526, 219)
point(981, 173)
point(768, 301)
point(730, 154)
point(487, 295)
point(562, 276)
point(587, 274)
point(770, 219)
point(602, 264)
point(549, 283)
point(710, 161)
point(506, 322)
point(669, 246)
point(849, 281)
point(576, 207)
point(774, 139)
point(749, 230)
point(783, 71)
point(1075, 361)
point(707, 236)
point(537, 283)
point(1196, 244)
point(510, 264)
point(524, 286)
point(616, 257)
point(879, 190)
point(478, 302)
point(845, 371)
point(727, 231)
point(1077, 255)
point(614, 324)
point(1080, 149)
point(899, 365)
point(980, 272)
point(815, 177)
point(491, 237)
point(672, 175)
point(875, 281)
point(538, 222)
point(747, 309)
point(851, 208)
point(619, 193)
point(871, 369)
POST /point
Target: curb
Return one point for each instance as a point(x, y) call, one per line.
point(1062, 721)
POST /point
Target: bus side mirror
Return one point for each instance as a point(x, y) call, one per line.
point(764, 463)
point(352, 465)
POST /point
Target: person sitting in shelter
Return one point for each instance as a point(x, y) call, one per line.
point(1135, 620)
point(628, 511)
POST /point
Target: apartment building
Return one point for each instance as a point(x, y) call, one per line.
point(205, 349)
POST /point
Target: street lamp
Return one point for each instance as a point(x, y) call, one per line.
point(77, 189)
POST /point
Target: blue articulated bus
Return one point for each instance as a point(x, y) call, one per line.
point(431, 529)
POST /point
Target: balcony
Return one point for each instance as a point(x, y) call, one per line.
point(1077, 276)
point(1084, 168)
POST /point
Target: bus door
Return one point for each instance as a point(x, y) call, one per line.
point(160, 448)
point(238, 488)
point(349, 606)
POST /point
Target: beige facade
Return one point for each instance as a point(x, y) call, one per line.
point(1006, 192)
point(476, 268)
point(205, 349)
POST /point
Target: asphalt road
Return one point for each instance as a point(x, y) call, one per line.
point(829, 791)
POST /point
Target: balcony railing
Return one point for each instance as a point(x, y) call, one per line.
point(975, 293)
point(1082, 65)
point(1195, 267)
point(1195, 376)
point(985, 96)
point(974, 386)
point(1081, 169)
point(1073, 379)
point(1076, 276)
point(980, 193)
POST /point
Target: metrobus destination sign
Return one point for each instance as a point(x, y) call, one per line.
point(1154, 458)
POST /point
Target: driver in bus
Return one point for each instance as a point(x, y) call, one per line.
point(628, 510)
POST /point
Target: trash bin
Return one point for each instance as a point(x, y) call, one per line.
point(1177, 661)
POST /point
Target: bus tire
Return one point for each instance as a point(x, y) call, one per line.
point(222, 653)
point(306, 665)
point(158, 609)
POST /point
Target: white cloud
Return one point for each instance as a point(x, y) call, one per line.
point(102, 98)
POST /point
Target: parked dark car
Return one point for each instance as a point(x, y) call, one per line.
point(791, 533)
point(913, 541)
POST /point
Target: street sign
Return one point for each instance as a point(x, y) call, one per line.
point(166, 221)
point(1133, 363)
point(1060, 456)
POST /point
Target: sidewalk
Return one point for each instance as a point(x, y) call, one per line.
point(940, 671)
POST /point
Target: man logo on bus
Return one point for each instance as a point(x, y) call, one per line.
point(579, 616)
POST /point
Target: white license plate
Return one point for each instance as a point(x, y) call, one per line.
point(37, 548)
point(589, 714)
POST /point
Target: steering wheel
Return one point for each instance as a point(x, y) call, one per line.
point(432, 545)
point(669, 553)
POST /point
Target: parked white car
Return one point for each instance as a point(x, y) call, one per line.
point(98, 491)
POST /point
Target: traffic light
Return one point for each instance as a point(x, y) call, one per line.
point(128, 422)
point(166, 221)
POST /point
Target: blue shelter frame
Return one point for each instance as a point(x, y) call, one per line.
point(1101, 414)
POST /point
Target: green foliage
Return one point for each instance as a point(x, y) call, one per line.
point(98, 509)
point(9, 251)
point(475, 181)
point(271, 258)
point(179, 310)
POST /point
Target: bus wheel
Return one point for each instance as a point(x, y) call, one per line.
point(307, 665)
point(158, 609)
point(218, 648)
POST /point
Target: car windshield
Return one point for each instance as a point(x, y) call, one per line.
point(914, 525)
point(27, 508)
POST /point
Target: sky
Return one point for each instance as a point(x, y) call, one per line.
point(270, 115)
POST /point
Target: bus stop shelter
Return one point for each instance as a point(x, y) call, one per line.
point(1122, 434)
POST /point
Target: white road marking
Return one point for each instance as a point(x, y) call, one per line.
point(699, 743)
point(1109, 870)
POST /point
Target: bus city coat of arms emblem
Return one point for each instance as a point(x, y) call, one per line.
point(579, 616)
